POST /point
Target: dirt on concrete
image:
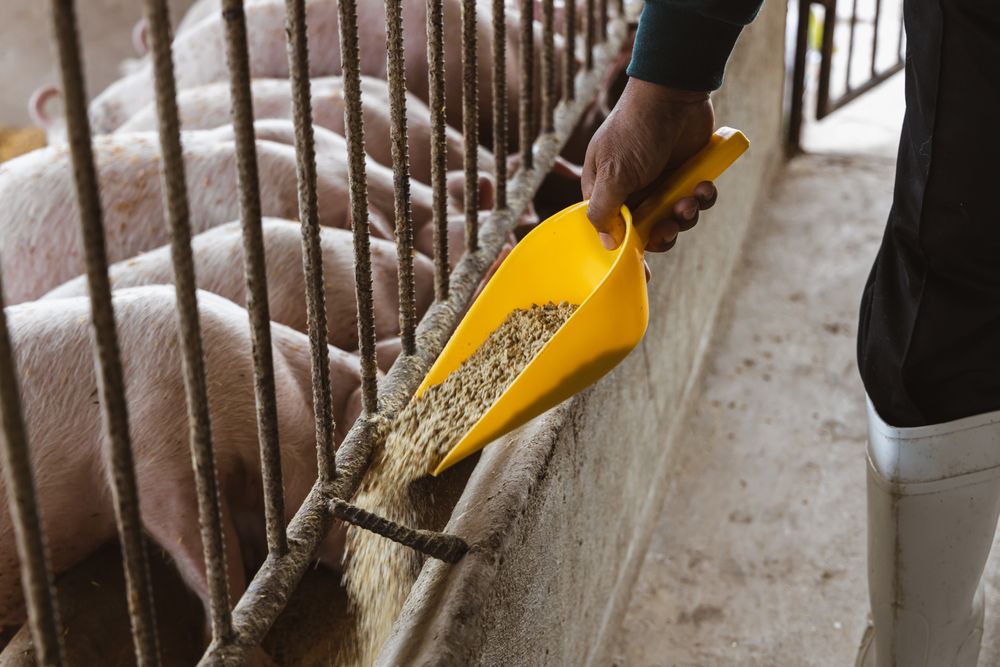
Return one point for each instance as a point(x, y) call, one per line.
point(758, 557)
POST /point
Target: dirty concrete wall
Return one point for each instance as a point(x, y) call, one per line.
point(560, 514)
point(27, 58)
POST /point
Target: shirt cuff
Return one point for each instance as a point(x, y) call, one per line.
point(680, 48)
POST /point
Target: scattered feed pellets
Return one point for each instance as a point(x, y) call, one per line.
point(379, 573)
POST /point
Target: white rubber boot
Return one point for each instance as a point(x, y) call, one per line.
point(933, 501)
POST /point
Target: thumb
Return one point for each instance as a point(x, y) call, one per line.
point(606, 199)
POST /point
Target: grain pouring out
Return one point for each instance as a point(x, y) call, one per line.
point(379, 574)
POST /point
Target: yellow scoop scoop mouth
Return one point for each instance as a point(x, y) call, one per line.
point(563, 259)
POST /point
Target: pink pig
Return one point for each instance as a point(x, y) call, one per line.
point(52, 344)
point(39, 244)
point(199, 57)
point(208, 106)
point(218, 259)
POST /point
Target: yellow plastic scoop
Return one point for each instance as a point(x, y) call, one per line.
point(563, 259)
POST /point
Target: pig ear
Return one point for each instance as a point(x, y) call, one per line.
point(36, 105)
point(456, 189)
point(140, 37)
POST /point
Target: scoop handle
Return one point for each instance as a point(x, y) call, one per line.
point(723, 149)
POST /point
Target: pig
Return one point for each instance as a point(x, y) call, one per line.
point(218, 261)
point(39, 244)
point(208, 106)
point(51, 339)
point(199, 57)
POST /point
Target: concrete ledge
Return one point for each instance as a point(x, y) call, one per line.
point(560, 513)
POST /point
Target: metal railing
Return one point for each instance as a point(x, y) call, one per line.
point(827, 103)
point(291, 548)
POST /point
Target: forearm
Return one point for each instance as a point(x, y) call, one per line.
point(685, 44)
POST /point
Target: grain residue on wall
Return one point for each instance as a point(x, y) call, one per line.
point(379, 573)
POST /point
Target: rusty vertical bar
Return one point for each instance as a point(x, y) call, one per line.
point(36, 576)
point(470, 124)
point(355, 130)
point(500, 101)
point(878, 13)
point(602, 10)
point(527, 104)
point(435, 75)
point(185, 289)
point(312, 267)
point(548, 66)
point(110, 379)
point(401, 174)
point(589, 35)
point(569, 62)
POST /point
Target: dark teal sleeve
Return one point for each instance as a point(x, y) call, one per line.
point(685, 43)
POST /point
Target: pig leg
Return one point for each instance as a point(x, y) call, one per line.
point(173, 524)
point(172, 521)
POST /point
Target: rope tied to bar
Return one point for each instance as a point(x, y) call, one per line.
point(449, 548)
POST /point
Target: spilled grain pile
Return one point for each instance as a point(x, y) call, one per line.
point(380, 573)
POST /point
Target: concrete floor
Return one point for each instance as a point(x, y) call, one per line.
point(758, 556)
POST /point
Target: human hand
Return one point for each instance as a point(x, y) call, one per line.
point(651, 130)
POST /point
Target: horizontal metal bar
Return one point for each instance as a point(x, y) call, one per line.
point(268, 593)
point(449, 548)
point(831, 105)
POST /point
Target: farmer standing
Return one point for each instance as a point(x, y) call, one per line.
point(929, 331)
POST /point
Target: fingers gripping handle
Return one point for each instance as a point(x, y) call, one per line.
point(723, 149)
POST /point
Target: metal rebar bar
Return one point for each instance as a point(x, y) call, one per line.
point(401, 174)
point(312, 267)
point(500, 101)
point(590, 33)
point(449, 548)
point(548, 66)
point(435, 76)
point(569, 62)
point(36, 575)
point(526, 111)
point(110, 379)
point(355, 131)
point(272, 586)
point(189, 326)
point(602, 10)
point(470, 124)
point(258, 311)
